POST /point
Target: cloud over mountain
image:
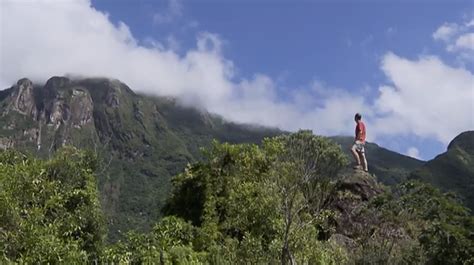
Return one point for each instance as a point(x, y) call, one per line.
point(45, 38)
point(426, 97)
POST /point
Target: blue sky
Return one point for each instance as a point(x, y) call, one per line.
point(406, 65)
point(339, 43)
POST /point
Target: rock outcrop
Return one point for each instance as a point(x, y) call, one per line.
point(81, 108)
point(353, 191)
point(355, 219)
point(53, 109)
point(24, 98)
point(112, 97)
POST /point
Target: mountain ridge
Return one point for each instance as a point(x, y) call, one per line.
point(143, 140)
point(452, 170)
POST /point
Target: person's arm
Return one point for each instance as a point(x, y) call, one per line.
point(358, 131)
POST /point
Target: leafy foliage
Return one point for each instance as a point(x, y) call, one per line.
point(144, 141)
point(418, 224)
point(454, 169)
point(285, 201)
point(445, 229)
point(50, 211)
point(267, 199)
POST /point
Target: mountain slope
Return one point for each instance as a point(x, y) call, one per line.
point(454, 169)
point(389, 167)
point(142, 140)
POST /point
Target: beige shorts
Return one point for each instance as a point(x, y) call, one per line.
point(359, 146)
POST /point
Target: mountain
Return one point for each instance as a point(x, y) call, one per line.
point(454, 169)
point(389, 167)
point(142, 141)
point(241, 204)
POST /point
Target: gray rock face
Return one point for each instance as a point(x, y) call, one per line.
point(344, 241)
point(59, 112)
point(355, 222)
point(81, 107)
point(112, 99)
point(56, 82)
point(32, 134)
point(6, 143)
point(51, 112)
point(67, 103)
point(354, 190)
point(24, 98)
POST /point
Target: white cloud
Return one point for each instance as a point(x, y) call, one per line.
point(465, 41)
point(53, 38)
point(426, 98)
point(173, 43)
point(172, 12)
point(470, 23)
point(413, 152)
point(446, 31)
point(459, 38)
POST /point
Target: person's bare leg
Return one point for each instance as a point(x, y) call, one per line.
point(364, 161)
point(356, 155)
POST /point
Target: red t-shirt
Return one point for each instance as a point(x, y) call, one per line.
point(360, 132)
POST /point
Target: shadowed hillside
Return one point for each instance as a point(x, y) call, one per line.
point(389, 167)
point(454, 169)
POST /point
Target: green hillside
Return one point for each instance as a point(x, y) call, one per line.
point(454, 169)
point(389, 167)
point(142, 141)
point(291, 199)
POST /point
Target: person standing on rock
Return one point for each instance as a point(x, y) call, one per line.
point(358, 150)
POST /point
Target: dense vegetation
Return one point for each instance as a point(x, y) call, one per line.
point(143, 140)
point(454, 169)
point(49, 210)
point(284, 201)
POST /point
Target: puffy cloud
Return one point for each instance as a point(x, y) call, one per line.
point(71, 37)
point(470, 23)
point(426, 98)
point(459, 38)
point(55, 38)
point(446, 31)
point(465, 41)
point(413, 152)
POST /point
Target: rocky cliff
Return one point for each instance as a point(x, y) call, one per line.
point(141, 141)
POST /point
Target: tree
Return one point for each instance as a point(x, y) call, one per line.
point(266, 198)
point(422, 226)
point(303, 167)
point(50, 211)
point(446, 225)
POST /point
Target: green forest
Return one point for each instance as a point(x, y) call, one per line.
point(290, 199)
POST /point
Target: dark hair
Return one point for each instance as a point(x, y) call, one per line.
point(358, 116)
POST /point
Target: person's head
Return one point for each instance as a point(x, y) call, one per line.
point(357, 117)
